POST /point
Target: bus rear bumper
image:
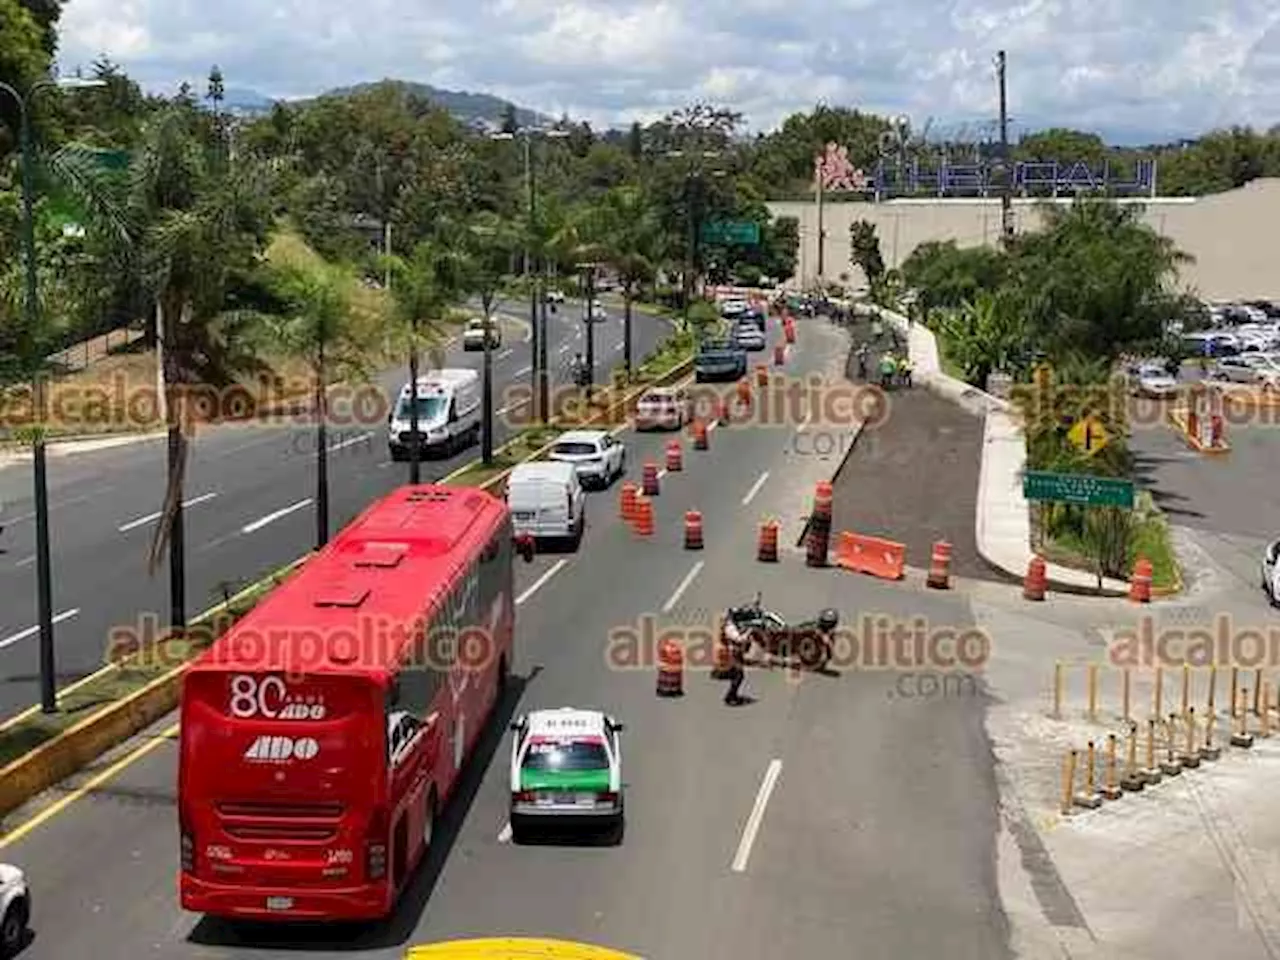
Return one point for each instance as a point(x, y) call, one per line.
point(240, 902)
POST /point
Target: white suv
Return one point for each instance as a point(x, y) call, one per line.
point(15, 910)
point(598, 457)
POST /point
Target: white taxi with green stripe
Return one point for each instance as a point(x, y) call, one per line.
point(566, 771)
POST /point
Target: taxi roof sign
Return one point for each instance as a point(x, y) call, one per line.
point(565, 719)
point(514, 948)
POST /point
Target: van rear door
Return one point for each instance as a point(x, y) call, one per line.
point(540, 506)
point(279, 775)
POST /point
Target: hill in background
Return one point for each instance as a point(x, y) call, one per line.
point(473, 109)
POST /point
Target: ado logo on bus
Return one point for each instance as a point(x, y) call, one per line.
point(269, 698)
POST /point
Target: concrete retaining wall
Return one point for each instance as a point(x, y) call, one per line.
point(1230, 235)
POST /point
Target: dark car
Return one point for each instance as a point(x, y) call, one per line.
point(717, 360)
point(758, 316)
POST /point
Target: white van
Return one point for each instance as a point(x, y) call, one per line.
point(547, 501)
point(448, 413)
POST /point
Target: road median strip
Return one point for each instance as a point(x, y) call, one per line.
point(108, 707)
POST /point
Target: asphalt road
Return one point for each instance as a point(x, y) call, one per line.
point(248, 493)
point(833, 810)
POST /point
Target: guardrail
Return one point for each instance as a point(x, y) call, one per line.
point(62, 755)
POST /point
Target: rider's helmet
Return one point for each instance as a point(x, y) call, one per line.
point(828, 619)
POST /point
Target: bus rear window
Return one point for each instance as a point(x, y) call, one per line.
point(565, 755)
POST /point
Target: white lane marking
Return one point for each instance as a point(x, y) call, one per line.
point(522, 371)
point(757, 816)
point(504, 354)
point(351, 442)
point(541, 581)
point(512, 406)
point(808, 418)
point(618, 348)
point(385, 464)
point(153, 517)
point(683, 586)
point(52, 507)
point(273, 517)
point(565, 348)
point(32, 631)
point(755, 488)
point(712, 425)
point(504, 835)
point(661, 474)
point(25, 562)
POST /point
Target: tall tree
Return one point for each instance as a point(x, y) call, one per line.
point(864, 252)
point(626, 227)
point(510, 124)
point(46, 14)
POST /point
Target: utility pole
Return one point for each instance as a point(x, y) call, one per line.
point(690, 183)
point(535, 287)
point(591, 329)
point(1006, 171)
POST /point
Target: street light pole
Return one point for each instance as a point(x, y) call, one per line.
point(39, 460)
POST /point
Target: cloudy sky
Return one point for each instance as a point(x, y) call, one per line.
point(1128, 68)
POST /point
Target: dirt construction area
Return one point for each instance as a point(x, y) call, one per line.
point(914, 478)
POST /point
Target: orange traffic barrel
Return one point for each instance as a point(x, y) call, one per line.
point(675, 457)
point(627, 502)
point(693, 530)
point(762, 375)
point(818, 542)
point(767, 549)
point(670, 669)
point(722, 658)
point(643, 522)
point(650, 475)
point(744, 392)
point(1140, 582)
point(1036, 581)
point(701, 440)
point(940, 566)
point(822, 500)
point(722, 411)
point(789, 330)
point(779, 354)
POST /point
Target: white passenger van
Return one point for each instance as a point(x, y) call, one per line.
point(547, 501)
point(448, 414)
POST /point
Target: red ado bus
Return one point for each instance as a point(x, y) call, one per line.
point(322, 735)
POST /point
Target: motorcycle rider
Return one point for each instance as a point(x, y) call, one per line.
point(736, 672)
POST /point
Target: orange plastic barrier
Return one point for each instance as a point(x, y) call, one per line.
point(642, 522)
point(762, 375)
point(675, 457)
point(871, 555)
point(627, 502)
point(670, 669)
point(693, 530)
point(779, 354)
point(650, 479)
point(1036, 582)
point(744, 392)
point(701, 440)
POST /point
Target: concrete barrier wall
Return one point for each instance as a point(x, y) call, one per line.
point(1230, 235)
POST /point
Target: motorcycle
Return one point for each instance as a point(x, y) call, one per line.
point(809, 641)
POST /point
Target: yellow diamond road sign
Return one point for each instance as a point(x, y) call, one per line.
point(1089, 435)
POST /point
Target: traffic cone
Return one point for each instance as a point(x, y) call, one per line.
point(701, 439)
point(670, 669)
point(693, 530)
point(643, 524)
point(650, 476)
point(627, 502)
point(779, 354)
point(675, 457)
point(940, 566)
point(1140, 581)
point(1036, 580)
point(767, 550)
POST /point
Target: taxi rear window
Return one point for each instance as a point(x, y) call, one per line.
point(554, 756)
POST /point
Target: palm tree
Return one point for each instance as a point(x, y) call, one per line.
point(630, 234)
point(985, 334)
point(490, 243)
point(425, 286)
point(197, 226)
point(316, 328)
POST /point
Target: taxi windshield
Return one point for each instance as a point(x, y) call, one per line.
point(554, 756)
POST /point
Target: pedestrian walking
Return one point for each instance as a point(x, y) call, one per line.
point(863, 353)
point(887, 369)
point(904, 371)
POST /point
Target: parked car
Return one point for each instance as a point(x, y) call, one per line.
point(1154, 381)
point(547, 501)
point(663, 408)
point(1249, 368)
point(595, 454)
point(1270, 562)
point(717, 360)
point(748, 336)
point(473, 337)
point(15, 911)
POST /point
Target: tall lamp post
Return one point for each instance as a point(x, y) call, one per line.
point(693, 180)
point(537, 311)
point(44, 588)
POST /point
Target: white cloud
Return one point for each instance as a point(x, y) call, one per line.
point(1150, 66)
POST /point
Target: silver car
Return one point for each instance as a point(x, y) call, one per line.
point(748, 336)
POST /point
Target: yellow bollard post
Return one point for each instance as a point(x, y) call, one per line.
point(1089, 798)
point(1159, 692)
point(1210, 750)
point(1190, 755)
point(1151, 773)
point(1068, 781)
point(1242, 737)
point(1125, 704)
point(1170, 764)
point(1132, 780)
point(1093, 693)
point(1235, 689)
point(1057, 691)
point(1186, 688)
point(1257, 691)
point(1110, 788)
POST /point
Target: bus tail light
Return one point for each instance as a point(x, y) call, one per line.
point(524, 796)
point(376, 848)
point(188, 846)
point(607, 797)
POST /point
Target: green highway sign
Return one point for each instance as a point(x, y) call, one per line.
point(742, 232)
point(1080, 488)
